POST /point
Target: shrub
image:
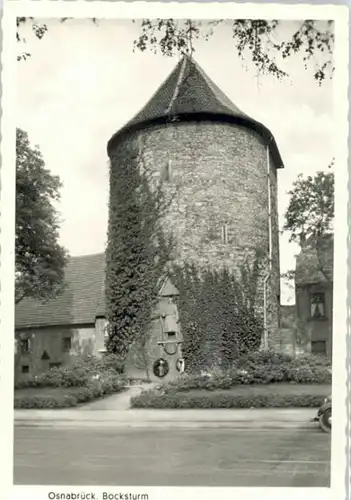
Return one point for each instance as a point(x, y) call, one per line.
point(78, 373)
point(311, 360)
point(263, 358)
point(57, 377)
point(111, 362)
point(219, 400)
point(310, 375)
point(257, 368)
point(84, 379)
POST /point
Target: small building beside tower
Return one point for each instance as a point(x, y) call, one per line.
point(314, 297)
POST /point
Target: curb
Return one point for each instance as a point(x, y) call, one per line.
point(237, 425)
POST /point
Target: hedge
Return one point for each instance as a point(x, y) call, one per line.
point(255, 376)
point(230, 400)
point(55, 398)
point(271, 357)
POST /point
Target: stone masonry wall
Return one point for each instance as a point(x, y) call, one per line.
point(217, 175)
point(315, 329)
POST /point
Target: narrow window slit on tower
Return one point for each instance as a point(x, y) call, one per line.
point(167, 171)
point(225, 233)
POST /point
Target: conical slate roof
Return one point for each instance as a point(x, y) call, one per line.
point(188, 94)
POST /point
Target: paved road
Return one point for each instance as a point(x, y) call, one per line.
point(178, 457)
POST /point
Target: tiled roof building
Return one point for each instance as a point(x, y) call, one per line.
point(81, 300)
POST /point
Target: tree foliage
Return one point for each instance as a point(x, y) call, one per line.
point(310, 212)
point(309, 218)
point(40, 260)
point(138, 249)
point(39, 30)
point(255, 40)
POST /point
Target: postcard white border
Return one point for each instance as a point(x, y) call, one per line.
point(81, 9)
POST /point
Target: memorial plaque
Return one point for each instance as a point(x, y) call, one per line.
point(161, 368)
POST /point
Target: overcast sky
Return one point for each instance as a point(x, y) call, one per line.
point(83, 82)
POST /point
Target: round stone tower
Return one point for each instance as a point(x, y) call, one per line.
point(222, 167)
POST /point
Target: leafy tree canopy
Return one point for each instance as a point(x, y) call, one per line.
point(309, 219)
point(40, 260)
point(255, 40)
point(310, 212)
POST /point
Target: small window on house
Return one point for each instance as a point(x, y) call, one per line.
point(317, 303)
point(319, 347)
point(25, 369)
point(24, 345)
point(171, 334)
point(66, 344)
point(225, 234)
point(45, 356)
point(55, 365)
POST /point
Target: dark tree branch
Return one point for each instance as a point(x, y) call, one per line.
point(251, 38)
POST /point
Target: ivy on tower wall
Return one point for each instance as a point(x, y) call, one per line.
point(137, 248)
point(218, 313)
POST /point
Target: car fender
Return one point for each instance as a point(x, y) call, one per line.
point(324, 407)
